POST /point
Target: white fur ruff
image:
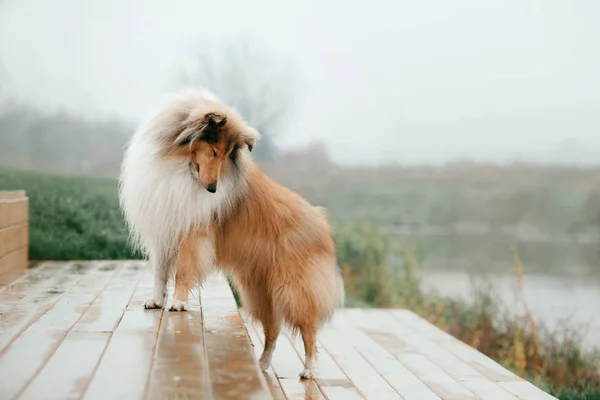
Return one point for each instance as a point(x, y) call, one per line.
point(159, 196)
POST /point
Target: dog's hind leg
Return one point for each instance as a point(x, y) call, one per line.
point(309, 337)
point(260, 307)
point(161, 276)
point(271, 327)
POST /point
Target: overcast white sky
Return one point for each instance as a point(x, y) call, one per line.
point(384, 80)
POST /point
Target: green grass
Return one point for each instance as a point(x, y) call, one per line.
point(71, 218)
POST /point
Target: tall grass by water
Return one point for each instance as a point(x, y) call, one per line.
point(553, 360)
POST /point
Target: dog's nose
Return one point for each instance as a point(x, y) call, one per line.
point(212, 187)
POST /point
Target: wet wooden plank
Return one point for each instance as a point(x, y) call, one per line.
point(138, 320)
point(442, 358)
point(70, 368)
point(135, 318)
point(392, 337)
point(480, 362)
point(435, 378)
point(525, 391)
point(489, 391)
point(124, 368)
point(27, 300)
point(22, 360)
point(487, 367)
point(286, 366)
point(234, 372)
point(330, 378)
point(108, 308)
point(360, 372)
point(301, 390)
point(180, 369)
point(19, 282)
point(389, 367)
point(257, 346)
point(83, 349)
point(30, 351)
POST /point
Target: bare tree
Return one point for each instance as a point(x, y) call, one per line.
point(253, 81)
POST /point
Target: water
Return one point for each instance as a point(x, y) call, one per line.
point(562, 273)
point(552, 300)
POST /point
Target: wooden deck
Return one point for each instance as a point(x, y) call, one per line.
point(78, 330)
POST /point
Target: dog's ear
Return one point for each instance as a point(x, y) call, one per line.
point(250, 137)
point(207, 130)
point(215, 120)
point(212, 124)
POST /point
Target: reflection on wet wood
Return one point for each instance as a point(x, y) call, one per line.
point(122, 372)
point(285, 367)
point(234, 372)
point(68, 371)
point(179, 369)
point(331, 379)
point(79, 330)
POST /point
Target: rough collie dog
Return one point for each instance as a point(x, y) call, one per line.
point(194, 200)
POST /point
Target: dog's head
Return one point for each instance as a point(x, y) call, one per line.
point(211, 140)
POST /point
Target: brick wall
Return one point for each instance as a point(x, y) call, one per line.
point(14, 231)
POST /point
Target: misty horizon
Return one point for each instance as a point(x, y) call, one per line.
point(423, 83)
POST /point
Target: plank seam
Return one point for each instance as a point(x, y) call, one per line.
point(13, 226)
point(55, 347)
point(27, 272)
point(49, 306)
point(257, 333)
point(318, 351)
point(91, 377)
point(461, 359)
point(405, 366)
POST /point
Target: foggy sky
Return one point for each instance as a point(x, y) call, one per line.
point(380, 81)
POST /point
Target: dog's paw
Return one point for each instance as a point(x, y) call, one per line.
point(264, 363)
point(152, 303)
point(178, 305)
point(307, 373)
point(265, 359)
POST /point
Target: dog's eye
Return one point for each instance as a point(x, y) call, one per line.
point(214, 153)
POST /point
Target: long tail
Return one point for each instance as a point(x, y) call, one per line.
point(341, 293)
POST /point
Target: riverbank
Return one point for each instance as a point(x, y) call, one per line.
point(553, 358)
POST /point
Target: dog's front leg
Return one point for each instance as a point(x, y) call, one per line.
point(195, 260)
point(161, 276)
point(184, 282)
